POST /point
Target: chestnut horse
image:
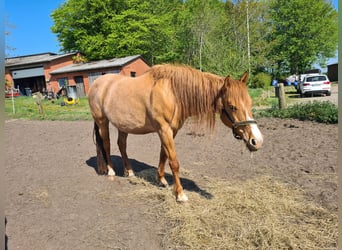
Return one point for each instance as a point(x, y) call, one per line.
point(160, 101)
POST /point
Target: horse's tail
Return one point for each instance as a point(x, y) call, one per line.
point(98, 141)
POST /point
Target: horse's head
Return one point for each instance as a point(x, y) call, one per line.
point(236, 112)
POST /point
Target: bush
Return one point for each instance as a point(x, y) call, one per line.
point(261, 80)
point(323, 112)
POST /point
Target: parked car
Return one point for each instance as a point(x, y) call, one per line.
point(311, 84)
point(301, 79)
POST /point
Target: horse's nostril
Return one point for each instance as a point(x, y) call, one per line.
point(253, 142)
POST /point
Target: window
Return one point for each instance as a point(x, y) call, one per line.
point(133, 74)
point(316, 79)
point(62, 82)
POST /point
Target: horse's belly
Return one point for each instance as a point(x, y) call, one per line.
point(133, 126)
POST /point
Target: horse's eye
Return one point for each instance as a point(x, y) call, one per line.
point(232, 107)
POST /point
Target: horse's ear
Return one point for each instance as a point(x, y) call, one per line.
point(227, 80)
point(244, 77)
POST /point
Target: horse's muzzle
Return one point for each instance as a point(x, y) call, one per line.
point(252, 145)
point(254, 142)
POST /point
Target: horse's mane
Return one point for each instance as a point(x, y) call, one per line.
point(196, 92)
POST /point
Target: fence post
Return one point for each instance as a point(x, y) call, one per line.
point(39, 98)
point(281, 97)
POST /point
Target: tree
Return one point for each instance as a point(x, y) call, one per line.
point(303, 32)
point(8, 26)
point(115, 28)
point(200, 20)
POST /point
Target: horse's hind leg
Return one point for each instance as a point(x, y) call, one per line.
point(122, 143)
point(104, 163)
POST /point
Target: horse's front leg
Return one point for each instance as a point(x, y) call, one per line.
point(166, 136)
point(161, 167)
point(122, 143)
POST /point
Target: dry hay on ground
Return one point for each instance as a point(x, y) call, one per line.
point(258, 214)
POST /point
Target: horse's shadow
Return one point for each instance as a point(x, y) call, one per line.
point(139, 167)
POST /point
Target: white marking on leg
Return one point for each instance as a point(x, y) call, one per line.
point(182, 197)
point(163, 182)
point(129, 173)
point(111, 172)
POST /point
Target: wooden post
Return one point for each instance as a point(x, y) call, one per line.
point(39, 98)
point(281, 97)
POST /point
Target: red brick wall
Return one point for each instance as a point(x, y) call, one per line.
point(8, 75)
point(138, 66)
point(48, 67)
point(55, 64)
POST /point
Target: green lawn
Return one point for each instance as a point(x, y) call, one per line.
point(26, 107)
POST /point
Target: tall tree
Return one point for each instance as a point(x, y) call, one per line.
point(303, 32)
point(229, 47)
point(114, 28)
point(8, 48)
point(200, 20)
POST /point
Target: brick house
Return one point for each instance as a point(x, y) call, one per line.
point(50, 71)
point(33, 71)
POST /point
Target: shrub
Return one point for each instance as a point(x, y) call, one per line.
point(323, 112)
point(261, 80)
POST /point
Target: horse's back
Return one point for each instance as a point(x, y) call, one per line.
point(102, 83)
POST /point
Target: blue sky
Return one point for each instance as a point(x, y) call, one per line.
point(31, 21)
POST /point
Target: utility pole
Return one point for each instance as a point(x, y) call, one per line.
point(201, 37)
point(248, 42)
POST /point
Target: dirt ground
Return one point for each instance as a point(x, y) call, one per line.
point(55, 199)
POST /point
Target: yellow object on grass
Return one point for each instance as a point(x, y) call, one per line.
point(71, 101)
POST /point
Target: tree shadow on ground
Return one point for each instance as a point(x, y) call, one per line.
point(139, 167)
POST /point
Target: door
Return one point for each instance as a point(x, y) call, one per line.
point(79, 86)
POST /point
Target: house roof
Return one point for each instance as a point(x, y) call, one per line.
point(34, 59)
point(111, 63)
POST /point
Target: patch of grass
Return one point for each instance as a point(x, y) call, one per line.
point(262, 97)
point(26, 108)
point(323, 112)
point(257, 214)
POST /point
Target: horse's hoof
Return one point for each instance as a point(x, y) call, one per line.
point(111, 177)
point(182, 198)
point(129, 173)
point(163, 183)
point(111, 172)
point(102, 171)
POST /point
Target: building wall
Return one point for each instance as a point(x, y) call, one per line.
point(48, 67)
point(134, 68)
point(137, 66)
point(55, 64)
point(333, 72)
point(8, 76)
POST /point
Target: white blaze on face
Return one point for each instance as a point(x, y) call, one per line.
point(255, 130)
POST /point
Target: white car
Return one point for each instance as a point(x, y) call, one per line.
point(314, 84)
